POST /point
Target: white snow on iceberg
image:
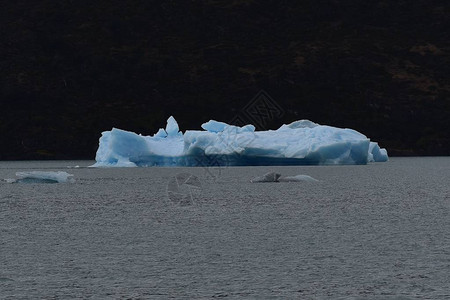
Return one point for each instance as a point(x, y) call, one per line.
point(219, 144)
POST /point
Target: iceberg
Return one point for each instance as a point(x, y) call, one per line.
point(41, 177)
point(302, 142)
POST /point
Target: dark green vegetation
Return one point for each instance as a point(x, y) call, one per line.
point(72, 69)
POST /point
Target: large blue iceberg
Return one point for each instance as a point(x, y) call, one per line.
point(219, 144)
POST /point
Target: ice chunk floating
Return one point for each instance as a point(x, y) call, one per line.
point(41, 177)
point(298, 178)
point(268, 177)
point(219, 144)
point(276, 177)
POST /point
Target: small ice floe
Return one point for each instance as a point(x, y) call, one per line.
point(297, 178)
point(268, 177)
point(41, 177)
point(276, 177)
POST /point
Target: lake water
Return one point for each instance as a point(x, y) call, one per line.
point(380, 231)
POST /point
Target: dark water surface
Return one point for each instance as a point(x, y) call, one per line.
point(380, 231)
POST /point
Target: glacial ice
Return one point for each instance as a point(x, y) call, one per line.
point(268, 177)
point(41, 177)
point(214, 126)
point(298, 178)
point(219, 144)
point(276, 177)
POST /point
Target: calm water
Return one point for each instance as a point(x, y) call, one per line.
point(380, 231)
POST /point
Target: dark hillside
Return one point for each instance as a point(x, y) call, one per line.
point(72, 69)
